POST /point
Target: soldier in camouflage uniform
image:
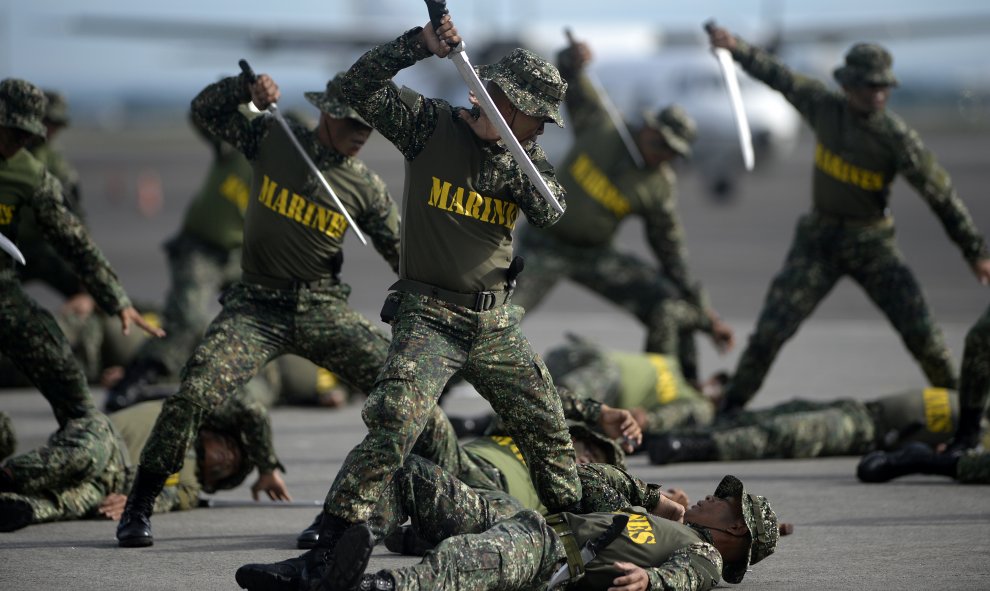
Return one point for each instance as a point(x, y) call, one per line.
point(861, 148)
point(719, 538)
point(29, 336)
point(810, 429)
point(959, 460)
point(86, 465)
point(605, 185)
point(450, 311)
point(290, 298)
point(202, 258)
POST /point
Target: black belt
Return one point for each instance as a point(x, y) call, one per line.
point(841, 220)
point(289, 284)
point(478, 301)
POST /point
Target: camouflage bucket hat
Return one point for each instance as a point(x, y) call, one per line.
point(22, 106)
point(331, 101)
point(613, 453)
point(866, 63)
point(762, 524)
point(676, 126)
point(533, 84)
point(57, 110)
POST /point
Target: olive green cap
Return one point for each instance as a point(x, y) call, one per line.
point(676, 126)
point(22, 106)
point(331, 101)
point(57, 110)
point(533, 84)
point(762, 524)
point(866, 64)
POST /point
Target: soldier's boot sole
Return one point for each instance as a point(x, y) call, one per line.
point(278, 576)
point(14, 515)
point(134, 531)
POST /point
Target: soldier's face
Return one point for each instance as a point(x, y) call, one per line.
point(588, 454)
point(716, 512)
point(525, 127)
point(654, 148)
point(867, 98)
point(346, 136)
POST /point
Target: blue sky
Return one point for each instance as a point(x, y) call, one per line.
point(37, 43)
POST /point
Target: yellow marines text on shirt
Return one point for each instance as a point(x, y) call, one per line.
point(473, 205)
point(596, 183)
point(834, 166)
point(296, 207)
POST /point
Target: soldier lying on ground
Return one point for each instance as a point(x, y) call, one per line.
point(496, 463)
point(521, 549)
point(809, 429)
point(87, 465)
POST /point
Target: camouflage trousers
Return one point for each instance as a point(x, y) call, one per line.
point(822, 253)
point(438, 443)
point(432, 340)
point(485, 541)
point(82, 462)
point(974, 380)
point(974, 468)
point(198, 271)
point(256, 325)
point(623, 279)
point(797, 429)
point(31, 339)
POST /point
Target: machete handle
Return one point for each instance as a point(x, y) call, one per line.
point(570, 36)
point(437, 9)
point(710, 25)
point(248, 72)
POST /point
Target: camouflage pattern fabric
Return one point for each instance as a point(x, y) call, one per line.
point(33, 342)
point(198, 272)
point(67, 478)
point(256, 325)
point(974, 467)
point(438, 443)
point(532, 83)
point(431, 340)
point(824, 251)
point(974, 381)
point(624, 279)
point(22, 105)
point(798, 429)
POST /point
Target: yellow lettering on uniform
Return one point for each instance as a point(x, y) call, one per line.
point(296, 207)
point(281, 201)
point(7, 213)
point(472, 207)
point(499, 210)
point(235, 191)
point(597, 185)
point(666, 387)
point(488, 209)
point(511, 212)
point(938, 410)
point(267, 190)
point(438, 196)
point(323, 216)
point(640, 530)
point(834, 166)
point(308, 216)
point(457, 202)
point(338, 225)
point(511, 445)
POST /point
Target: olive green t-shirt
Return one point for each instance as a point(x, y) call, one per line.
point(929, 415)
point(604, 186)
point(502, 452)
point(647, 541)
point(649, 380)
point(216, 213)
point(293, 229)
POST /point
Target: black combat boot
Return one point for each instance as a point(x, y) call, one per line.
point(307, 570)
point(7, 483)
point(405, 541)
point(914, 458)
point(346, 562)
point(308, 537)
point(15, 514)
point(380, 581)
point(134, 529)
point(129, 390)
point(668, 449)
point(967, 434)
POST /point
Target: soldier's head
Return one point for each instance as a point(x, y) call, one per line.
point(867, 77)
point(666, 135)
point(527, 90)
point(56, 113)
point(742, 525)
point(221, 460)
point(22, 109)
point(340, 126)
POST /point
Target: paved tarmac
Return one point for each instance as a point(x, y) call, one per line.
point(916, 533)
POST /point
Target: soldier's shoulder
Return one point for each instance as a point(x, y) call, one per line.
point(367, 176)
point(893, 127)
point(23, 170)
